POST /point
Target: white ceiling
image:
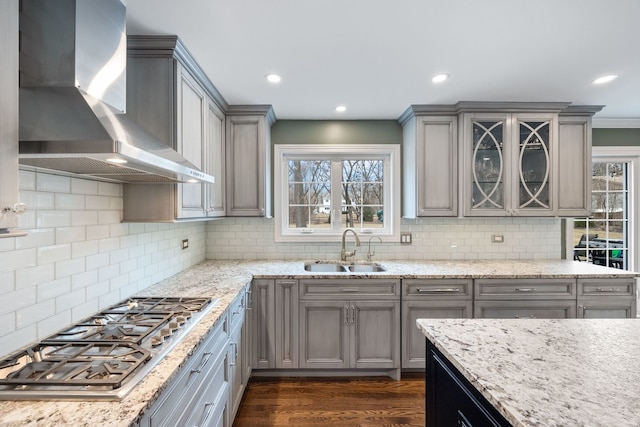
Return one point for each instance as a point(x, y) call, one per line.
point(377, 57)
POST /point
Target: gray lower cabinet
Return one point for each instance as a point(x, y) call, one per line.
point(353, 323)
point(286, 324)
point(264, 323)
point(525, 298)
point(238, 378)
point(606, 298)
point(434, 299)
point(199, 394)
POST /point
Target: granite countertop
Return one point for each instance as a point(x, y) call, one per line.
point(223, 280)
point(569, 372)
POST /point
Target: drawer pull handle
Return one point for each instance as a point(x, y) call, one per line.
point(439, 290)
point(526, 289)
point(608, 290)
point(207, 413)
point(526, 317)
point(204, 362)
point(349, 289)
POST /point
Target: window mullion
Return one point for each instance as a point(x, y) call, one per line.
point(336, 195)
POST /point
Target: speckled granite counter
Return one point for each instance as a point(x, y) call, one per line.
point(223, 280)
point(570, 372)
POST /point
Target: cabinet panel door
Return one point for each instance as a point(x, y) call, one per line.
point(264, 334)
point(324, 334)
point(607, 308)
point(246, 154)
point(437, 169)
point(574, 172)
point(216, 202)
point(236, 383)
point(549, 309)
point(487, 163)
point(413, 354)
point(287, 319)
point(375, 334)
point(191, 144)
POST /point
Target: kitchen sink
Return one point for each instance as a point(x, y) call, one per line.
point(366, 268)
point(334, 267)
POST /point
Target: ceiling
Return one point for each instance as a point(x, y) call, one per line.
point(377, 57)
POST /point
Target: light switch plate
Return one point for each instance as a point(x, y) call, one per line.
point(185, 243)
point(405, 238)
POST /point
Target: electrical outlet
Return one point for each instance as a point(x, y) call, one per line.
point(405, 238)
point(497, 238)
point(185, 243)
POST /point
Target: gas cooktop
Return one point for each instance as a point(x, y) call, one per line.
point(104, 356)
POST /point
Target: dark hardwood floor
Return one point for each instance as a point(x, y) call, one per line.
point(334, 402)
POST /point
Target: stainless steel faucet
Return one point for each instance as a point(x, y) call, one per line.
point(345, 253)
point(371, 253)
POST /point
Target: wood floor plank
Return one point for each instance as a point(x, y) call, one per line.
point(335, 402)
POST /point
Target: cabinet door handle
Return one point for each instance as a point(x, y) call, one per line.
point(205, 360)
point(346, 315)
point(349, 289)
point(438, 290)
point(235, 354)
point(250, 299)
point(526, 289)
point(207, 413)
point(353, 315)
point(607, 289)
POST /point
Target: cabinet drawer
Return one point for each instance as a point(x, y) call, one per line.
point(518, 289)
point(175, 400)
point(552, 309)
point(210, 402)
point(237, 310)
point(437, 289)
point(607, 287)
point(349, 288)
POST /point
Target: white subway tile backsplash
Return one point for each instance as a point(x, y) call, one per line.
point(70, 235)
point(36, 238)
point(84, 186)
point(26, 180)
point(48, 291)
point(53, 183)
point(35, 275)
point(53, 253)
point(84, 218)
point(17, 259)
point(52, 218)
point(76, 250)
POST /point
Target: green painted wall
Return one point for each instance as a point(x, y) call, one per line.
point(616, 137)
point(336, 132)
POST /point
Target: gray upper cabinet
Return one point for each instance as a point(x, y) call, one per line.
point(510, 163)
point(248, 155)
point(574, 160)
point(430, 162)
point(497, 159)
point(171, 97)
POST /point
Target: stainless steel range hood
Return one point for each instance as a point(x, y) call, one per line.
point(73, 97)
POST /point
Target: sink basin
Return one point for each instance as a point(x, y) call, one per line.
point(333, 267)
point(366, 268)
point(325, 267)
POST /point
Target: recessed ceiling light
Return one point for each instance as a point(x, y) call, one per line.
point(605, 79)
point(273, 78)
point(116, 160)
point(440, 78)
point(341, 108)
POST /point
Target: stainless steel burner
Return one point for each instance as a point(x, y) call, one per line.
point(103, 356)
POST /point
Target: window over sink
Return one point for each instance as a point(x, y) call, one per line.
point(321, 190)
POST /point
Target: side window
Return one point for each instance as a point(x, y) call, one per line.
point(321, 190)
point(604, 237)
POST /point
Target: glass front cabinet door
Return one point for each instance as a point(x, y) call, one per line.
point(509, 163)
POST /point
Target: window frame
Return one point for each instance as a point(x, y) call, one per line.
point(619, 154)
point(390, 153)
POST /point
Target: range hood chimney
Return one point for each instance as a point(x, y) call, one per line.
point(73, 97)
